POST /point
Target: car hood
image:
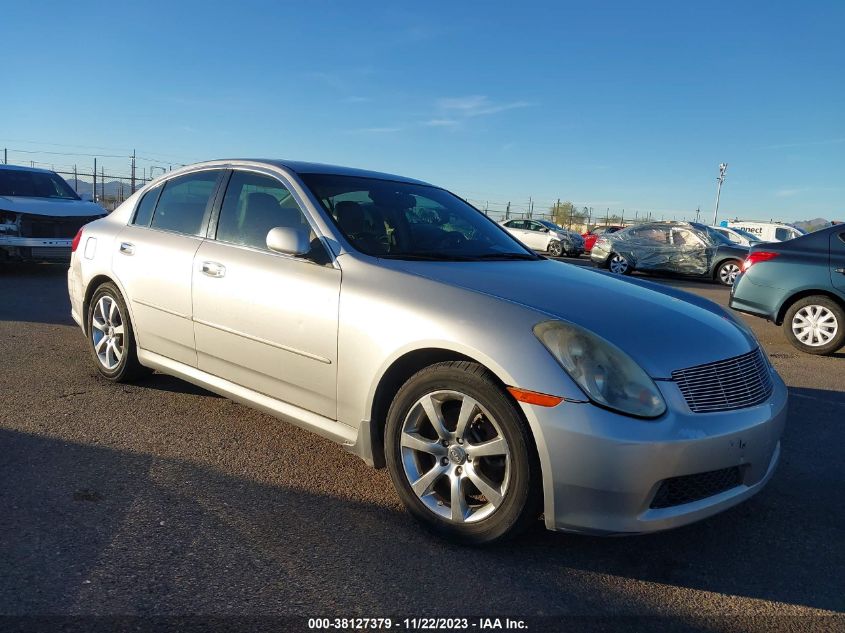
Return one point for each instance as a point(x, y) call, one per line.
point(661, 328)
point(51, 207)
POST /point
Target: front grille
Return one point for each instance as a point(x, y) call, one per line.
point(689, 488)
point(735, 383)
point(45, 226)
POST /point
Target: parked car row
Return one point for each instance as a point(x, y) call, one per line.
point(388, 315)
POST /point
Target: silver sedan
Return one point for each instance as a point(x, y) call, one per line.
point(391, 317)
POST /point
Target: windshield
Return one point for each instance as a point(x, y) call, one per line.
point(553, 226)
point(34, 184)
point(399, 220)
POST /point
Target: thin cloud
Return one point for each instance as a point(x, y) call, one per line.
point(476, 105)
point(442, 122)
point(355, 99)
point(788, 193)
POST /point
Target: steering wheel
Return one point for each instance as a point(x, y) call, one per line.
point(452, 239)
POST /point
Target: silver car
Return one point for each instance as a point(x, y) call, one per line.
point(391, 317)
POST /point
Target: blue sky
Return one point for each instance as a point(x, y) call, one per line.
point(623, 105)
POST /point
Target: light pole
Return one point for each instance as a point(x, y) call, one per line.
point(723, 167)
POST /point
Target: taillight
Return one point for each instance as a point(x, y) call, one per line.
point(755, 257)
point(76, 241)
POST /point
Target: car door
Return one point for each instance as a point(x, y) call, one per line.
point(837, 259)
point(262, 319)
point(690, 255)
point(154, 256)
point(537, 236)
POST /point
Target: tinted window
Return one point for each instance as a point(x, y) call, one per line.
point(782, 234)
point(181, 207)
point(253, 205)
point(146, 207)
point(34, 184)
point(402, 220)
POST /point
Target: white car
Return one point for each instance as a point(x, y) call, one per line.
point(39, 214)
point(767, 231)
point(542, 235)
point(738, 236)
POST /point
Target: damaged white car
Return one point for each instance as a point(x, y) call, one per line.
point(39, 214)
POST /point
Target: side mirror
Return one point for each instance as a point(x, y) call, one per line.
point(289, 241)
point(544, 230)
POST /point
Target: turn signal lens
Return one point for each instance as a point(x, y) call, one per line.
point(532, 397)
point(755, 257)
point(75, 243)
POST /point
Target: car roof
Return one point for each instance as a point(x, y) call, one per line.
point(301, 167)
point(23, 168)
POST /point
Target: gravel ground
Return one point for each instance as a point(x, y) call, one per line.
point(160, 498)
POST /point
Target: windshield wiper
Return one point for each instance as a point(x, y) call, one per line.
point(432, 257)
point(521, 256)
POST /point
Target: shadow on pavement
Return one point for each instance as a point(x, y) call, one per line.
point(87, 529)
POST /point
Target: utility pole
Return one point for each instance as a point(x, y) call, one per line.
point(103, 182)
point(530, 207)
point(75, 180)
point(133, 172)
point(723, 167)
point(508, 210)
point(698, 213)
point(94, 190)
point(5, 155)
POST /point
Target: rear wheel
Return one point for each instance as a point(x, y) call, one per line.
point(111, 337)
point(619, 265)
point(815, 325)
point(460, 455)
point(727, 271)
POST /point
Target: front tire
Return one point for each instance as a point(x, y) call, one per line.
point(555, 248)
point(727, 271)
point(460, 455)
point(111, 337)
point(815, 325)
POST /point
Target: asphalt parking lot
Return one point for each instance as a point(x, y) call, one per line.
point(162, 499)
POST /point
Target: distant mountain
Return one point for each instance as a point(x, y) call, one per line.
point(112, 187)
point(812, 225)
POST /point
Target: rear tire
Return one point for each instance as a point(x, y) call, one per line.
point(460, 455)
point(815, 325)
point(618, 265)
point(727, 271)
point(111, 337)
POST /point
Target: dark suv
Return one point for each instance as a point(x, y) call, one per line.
point(799, 284)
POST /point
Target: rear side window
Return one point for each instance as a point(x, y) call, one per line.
point(253, 205)
point(181, 207)
point(782, 234)
point(144, 213)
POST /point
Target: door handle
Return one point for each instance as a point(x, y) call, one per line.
point(213, 269)
point(127, 248)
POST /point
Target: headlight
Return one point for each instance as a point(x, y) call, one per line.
point(604, 372)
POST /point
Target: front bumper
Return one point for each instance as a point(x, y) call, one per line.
point(37, 247)
point(602, 470)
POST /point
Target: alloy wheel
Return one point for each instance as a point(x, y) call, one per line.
point(618, 265)
point(728, 273)
point(108, 332)
point(815, 325)
point(455, 456)
point(555, 249)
